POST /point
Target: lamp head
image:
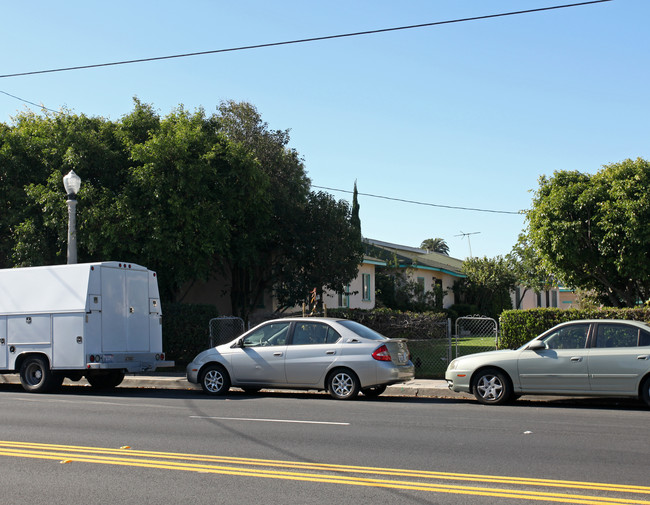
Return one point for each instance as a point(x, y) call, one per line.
point(72, 183)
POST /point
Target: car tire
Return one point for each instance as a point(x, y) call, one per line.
point(374, 391)
point(343, 384)
point(492, 387)
point(645, 391)
point(215, 381)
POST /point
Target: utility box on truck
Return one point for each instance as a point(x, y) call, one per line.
point(92, 320)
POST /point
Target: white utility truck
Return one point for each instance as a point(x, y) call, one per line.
point(92, 320)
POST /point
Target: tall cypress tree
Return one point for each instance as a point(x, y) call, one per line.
point(354, 217)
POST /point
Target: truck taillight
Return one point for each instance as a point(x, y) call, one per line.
point(160, 357)
point(381, 354)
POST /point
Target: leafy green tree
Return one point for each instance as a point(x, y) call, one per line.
point(354, 218)
point(488, 284)
point(327, 254)
point(592, 230)
point(437, 245)
point(156, 192)
point(40, 150)
point(190, 193)
point(262, 247)
point(396, 287)
point(186, 195)
point(529, 268)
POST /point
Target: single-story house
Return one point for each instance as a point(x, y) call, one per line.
point(430, 269)
point(556, 297)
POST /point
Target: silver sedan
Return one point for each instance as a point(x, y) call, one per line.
point(340, 356)
point(579, 358)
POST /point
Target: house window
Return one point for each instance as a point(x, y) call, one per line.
point(421, 285)
point(366, 287)
point(344, 298)
point(553, 298)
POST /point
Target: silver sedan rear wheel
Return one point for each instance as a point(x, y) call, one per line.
point(343, 384)
point(492, 387)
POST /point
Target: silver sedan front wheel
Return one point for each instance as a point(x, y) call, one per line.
point(215, 380)
point(343, 384)
point(492, 387)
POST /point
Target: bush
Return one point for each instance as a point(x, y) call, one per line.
point(462, 309)
point(397, 324)
point(521, 326)
point(186, 330)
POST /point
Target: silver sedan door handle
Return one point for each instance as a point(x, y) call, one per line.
point(277, 354)
point(330, 352)
point(576, 358)
point(643, 356)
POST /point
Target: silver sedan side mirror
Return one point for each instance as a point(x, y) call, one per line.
point(536, 345)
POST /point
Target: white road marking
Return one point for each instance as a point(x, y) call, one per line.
point(295, 421)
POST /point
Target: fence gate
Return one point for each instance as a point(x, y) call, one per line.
point(224, 329)
point(475, 334)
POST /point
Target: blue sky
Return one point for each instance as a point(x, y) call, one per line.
point(464, 115)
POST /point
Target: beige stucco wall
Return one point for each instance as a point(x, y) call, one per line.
point(356, 300)
point(530, 300)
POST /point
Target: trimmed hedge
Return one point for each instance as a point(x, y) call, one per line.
point(398, 324)
point(186, 330)
point(521, 326)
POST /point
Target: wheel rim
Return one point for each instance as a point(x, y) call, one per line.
point(490, 387)
point(213, 381)
point(34, 374)
point(342, 384)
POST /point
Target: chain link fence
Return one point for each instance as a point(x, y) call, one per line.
point(430, 353)
point(475, 334)
point(225, 329)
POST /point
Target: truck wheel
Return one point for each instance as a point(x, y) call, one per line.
point(108, 380)
point(36, 376)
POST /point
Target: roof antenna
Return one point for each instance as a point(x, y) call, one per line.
point(463, 234)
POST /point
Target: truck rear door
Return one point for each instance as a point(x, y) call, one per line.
point(125, 310)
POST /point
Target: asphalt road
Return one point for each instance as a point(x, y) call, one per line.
point(172, 446)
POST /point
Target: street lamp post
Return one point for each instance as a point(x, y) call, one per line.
point(72, 183)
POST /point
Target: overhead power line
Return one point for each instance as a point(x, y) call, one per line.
point(302, 41)
point(423, 203)
point(41, 106)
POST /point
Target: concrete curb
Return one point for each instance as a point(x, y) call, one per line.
point(422, 388)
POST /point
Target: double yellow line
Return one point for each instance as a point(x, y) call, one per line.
point(518, 488)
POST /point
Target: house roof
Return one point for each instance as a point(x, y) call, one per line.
point(371, 260)
point(413, 257)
